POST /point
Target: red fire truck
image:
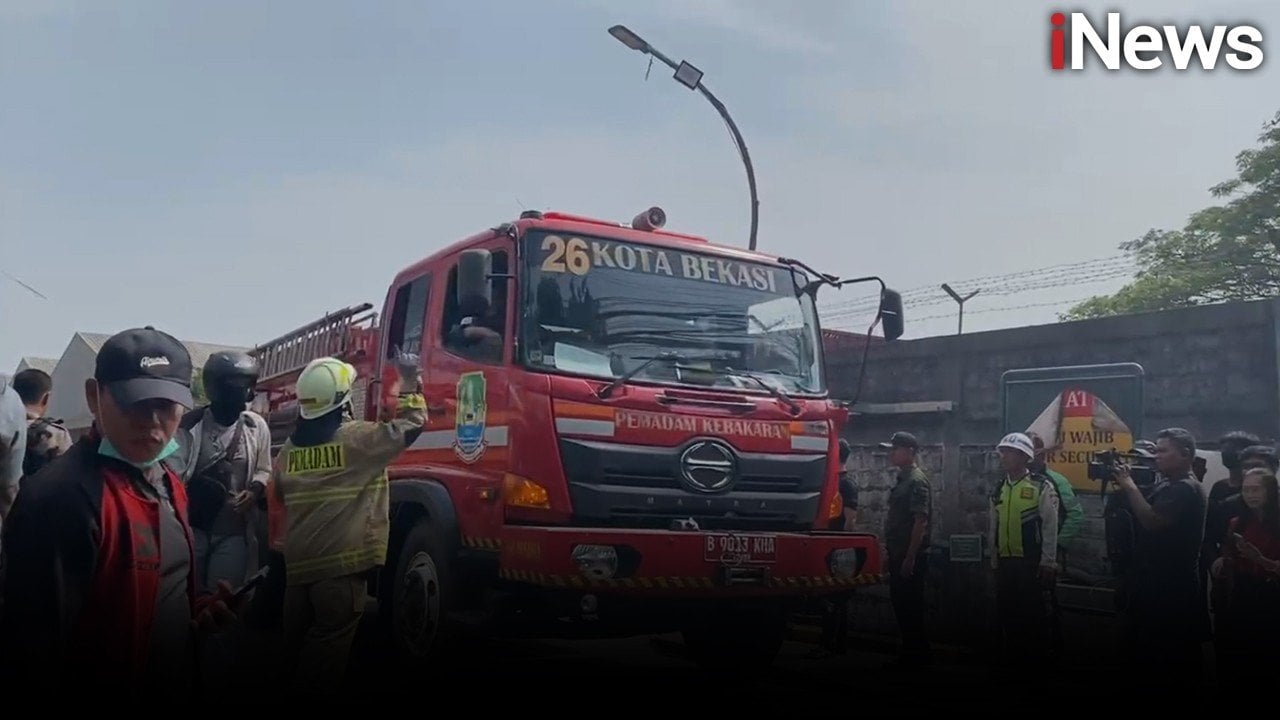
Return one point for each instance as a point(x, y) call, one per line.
point(629, 432)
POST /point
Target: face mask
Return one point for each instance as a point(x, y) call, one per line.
point(106, 448)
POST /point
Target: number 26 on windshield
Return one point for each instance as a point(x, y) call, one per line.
point(571, 255)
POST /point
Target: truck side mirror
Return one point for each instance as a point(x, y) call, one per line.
point(474, 268)
point(891, 314)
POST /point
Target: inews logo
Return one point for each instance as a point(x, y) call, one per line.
point(1148, 47)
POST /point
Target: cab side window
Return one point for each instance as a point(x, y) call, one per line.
point(472, 327)
point(408, 317)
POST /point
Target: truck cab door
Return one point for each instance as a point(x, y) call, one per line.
point(468, 376)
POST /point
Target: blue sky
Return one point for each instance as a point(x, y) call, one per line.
point(227, 171)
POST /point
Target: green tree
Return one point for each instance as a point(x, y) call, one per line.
point(1225, 252)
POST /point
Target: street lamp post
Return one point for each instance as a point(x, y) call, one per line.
point(961, 301)
point(691, 77)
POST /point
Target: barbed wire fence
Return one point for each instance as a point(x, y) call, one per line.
point(856, 312)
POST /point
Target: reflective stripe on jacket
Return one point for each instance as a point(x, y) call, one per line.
point(333, 499)
point(1025, 519)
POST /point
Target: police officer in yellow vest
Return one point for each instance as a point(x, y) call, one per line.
point(1024, 545)
point(331, 478)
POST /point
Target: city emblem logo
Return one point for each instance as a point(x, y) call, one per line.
point(469, 425)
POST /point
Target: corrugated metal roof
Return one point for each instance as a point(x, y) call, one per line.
point(40, 363)
point(94, 340)
point(200, 351)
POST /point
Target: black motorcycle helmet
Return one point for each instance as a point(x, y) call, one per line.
point(229, 377)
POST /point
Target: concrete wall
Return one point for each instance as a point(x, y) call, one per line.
point(1209, 369)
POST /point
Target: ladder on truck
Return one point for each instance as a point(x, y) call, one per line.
point(337, 334)
point(330, 336)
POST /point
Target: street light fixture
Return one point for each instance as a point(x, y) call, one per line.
point(961, 300)
point(628, 38)
point(691, 77)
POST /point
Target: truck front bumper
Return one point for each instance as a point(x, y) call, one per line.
point(688, 563)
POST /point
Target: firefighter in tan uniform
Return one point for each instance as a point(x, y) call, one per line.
point(330, 479)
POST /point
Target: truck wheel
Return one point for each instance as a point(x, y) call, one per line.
point(736, 641)
point(421, 595)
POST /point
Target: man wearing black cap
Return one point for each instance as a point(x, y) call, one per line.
point(906, 539)
point(100, 589)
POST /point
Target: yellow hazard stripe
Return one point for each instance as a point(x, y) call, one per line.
point(578, 581)
point(482, 543)
point(667, 582)
point(343, 563)
point(299, 497)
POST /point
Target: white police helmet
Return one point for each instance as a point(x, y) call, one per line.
point(1019, 442)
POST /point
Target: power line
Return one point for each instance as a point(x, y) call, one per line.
point(33, 290)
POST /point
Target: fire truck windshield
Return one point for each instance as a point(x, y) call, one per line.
point(602, 308)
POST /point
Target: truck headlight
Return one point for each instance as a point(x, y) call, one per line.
point(844, 564)
point(598, 562)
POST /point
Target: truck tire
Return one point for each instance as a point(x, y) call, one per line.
point(736, 640)
point(422, 595)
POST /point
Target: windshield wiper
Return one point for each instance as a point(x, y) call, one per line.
point(607, 390)
point(772, 389)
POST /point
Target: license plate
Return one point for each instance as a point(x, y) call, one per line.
point(740, 548)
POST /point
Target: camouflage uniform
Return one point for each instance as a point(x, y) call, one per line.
point(47, 438)
point(911, 495)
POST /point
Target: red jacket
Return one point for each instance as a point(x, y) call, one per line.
point(83, 570)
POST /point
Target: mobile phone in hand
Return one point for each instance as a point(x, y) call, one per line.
point(253, 582)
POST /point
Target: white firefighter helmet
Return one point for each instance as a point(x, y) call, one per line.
point(324, 385)
point(1019, 442)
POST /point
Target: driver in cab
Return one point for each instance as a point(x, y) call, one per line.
point(478, 332)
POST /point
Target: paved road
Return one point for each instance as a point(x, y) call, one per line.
point(652, 672)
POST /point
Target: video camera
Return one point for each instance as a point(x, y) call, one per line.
point(1142, 467)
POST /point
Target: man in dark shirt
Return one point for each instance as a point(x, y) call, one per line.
point(906, 539)
point(100, 591)
point(1161, 593)
point(1224, 503)
point(1224, 496)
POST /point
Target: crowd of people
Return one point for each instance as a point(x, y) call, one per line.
point(1193, 569)
point(129, 553)
point(124, 552)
